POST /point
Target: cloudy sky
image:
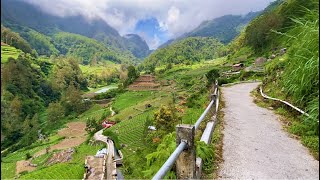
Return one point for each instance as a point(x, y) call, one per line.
point(155, 20)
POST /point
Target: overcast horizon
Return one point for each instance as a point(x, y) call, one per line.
point(156, 21)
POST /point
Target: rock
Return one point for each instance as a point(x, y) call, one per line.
point(260, 61)
point(283, 51)
point(269, 59)
point(148, 106)
point(272, 56)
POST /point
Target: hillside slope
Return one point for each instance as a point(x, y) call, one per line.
point(17, 14)
point(188, 50)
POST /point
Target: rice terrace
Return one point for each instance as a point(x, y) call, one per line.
point(159, 90)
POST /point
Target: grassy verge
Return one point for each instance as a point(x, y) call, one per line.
point(217, 143)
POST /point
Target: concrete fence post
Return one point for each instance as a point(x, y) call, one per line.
point(186, 162)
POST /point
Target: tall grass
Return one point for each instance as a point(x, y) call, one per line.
point(300, 78)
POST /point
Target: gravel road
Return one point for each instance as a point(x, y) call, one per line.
point(255, 146)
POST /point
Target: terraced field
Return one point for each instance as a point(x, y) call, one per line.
point(130, 131)
point(9, 51)
point(69, 170)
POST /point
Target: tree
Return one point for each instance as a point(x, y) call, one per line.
point(55, 112)
point(66, 72)
point(72, 100)
point(212, 75)
point(92, 125)
point(132, 74)
point(169, 66)
point(166, 118)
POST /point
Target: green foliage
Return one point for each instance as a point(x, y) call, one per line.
point(8, 170)
point(212, 75)
point(258, 33)
point(113, 136)
point(9, 51)
point(41, 43)
point(132, 74)
point(72, 100)
point(69, 170)
point(92, 125)
point(55, 112)
point(25, 92)
point(85, 48)
point(28, 156)
point(156, 159)
point(66, 72)
point(193, 49)
point(14, 40)
point(206, 153)
point(166, 118)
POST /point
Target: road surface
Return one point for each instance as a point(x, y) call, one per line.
point(110, 164)
point(255, 146)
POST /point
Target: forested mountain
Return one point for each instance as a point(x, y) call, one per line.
point(189, 50)
point(17, 15)
point(137, 45)
point(224, 28)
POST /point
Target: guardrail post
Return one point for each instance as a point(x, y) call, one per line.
point(186, 162)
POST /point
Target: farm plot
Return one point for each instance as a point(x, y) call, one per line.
point(130, 131)
point(132, 98)
point(8, 170)
point(68, 170)
point(9, 51)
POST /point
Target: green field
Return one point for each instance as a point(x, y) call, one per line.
point(130, 131)
point(9, 51)
point(8, 170)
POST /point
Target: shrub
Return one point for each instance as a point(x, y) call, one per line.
point(28, 156)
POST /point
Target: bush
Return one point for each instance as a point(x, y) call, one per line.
point(28, 156)
point(112, 136)
point(212, 75)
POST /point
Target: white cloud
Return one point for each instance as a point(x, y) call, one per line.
point(174, 16)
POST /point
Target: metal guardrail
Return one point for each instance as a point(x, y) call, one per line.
point(167, 165)
point(183, 144)
point(285, 102)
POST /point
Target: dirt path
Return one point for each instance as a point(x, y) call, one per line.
point(256, 146)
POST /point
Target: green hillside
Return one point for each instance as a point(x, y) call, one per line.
point(19, 16)
point(189, 50)
point(87, 50)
